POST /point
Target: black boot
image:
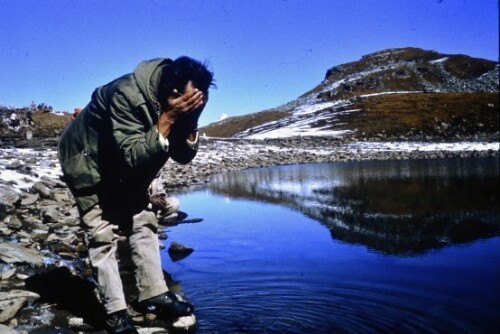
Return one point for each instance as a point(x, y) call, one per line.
point(166, 306)
point(120, 323)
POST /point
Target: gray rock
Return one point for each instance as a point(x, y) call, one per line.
point(185, 323)
point(14, 165)
point(13, 222)
point(29, 199)
point(7, 330)
point(69, 238)
point(177, 251)
point(31, 223)
point(152, 330)
point(14, 253)
point(49, 214)
point(39, 235)
point(66, 245)
point(9, 200)
point(4, 230)
point(8, 274)
point(75, 322)
point(42, 189)
point(52, 182)
point(11, 302)
point(61, 197)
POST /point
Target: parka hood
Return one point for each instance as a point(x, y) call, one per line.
point(147, 77)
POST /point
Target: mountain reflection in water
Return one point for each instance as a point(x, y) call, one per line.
point(395, 207)
point(376, 267)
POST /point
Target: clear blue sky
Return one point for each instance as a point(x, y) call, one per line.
point(263, 52)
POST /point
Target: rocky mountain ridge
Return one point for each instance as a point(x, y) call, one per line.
point(410, 69)
point(337, 105)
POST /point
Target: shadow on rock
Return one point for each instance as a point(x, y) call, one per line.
point(69, 292)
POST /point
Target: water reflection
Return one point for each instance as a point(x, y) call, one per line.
point(395, 207)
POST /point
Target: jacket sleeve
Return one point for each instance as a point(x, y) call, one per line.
point(181, 149)
point(135, 136)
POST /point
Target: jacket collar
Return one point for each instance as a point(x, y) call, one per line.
point(147, 75)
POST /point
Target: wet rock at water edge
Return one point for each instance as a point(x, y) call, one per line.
point(177, 251)
point(185, 323)
point(178, 218)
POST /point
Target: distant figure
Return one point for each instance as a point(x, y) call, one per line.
point(29, 118)
point(76, 112)
point(29, 135)
point(73, 116)
point(14, 121)
point(110, 154)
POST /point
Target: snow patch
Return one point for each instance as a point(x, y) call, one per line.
point(309, 109)
point(395, 92)
point(293, 131)
point(440, 60)
point(46, 165)
point(420, 146)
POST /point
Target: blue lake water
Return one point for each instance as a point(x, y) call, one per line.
point(358, 247)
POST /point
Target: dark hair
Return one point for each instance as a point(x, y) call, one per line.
point(184, 69)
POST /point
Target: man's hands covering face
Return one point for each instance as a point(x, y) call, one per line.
point(187, 106)
point(187, 103)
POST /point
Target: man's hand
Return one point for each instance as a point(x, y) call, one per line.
point(192, 101)
point(158, 201)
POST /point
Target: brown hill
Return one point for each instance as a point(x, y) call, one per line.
point(404, 92)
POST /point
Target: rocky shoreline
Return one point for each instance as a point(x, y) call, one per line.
point(224, 155)
point(41, 241)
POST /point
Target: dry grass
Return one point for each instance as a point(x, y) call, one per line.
point(446, 113)
point(49, 124)
point(231, 126)
point(465, 67)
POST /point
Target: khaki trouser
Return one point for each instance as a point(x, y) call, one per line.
point(144, 248)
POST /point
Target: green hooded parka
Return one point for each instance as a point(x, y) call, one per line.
point(112, 149)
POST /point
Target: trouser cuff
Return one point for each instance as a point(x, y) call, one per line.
point(115, 306)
